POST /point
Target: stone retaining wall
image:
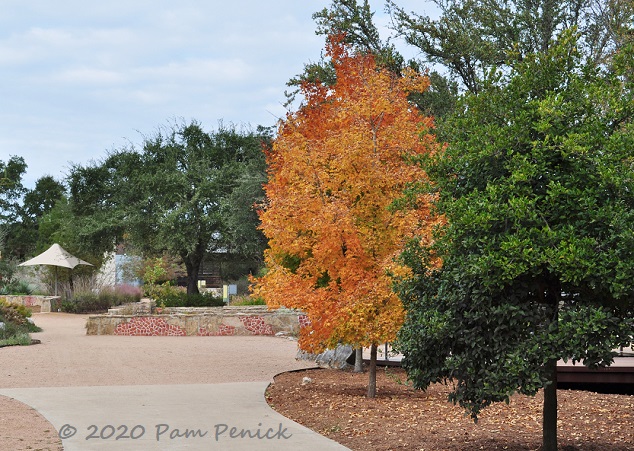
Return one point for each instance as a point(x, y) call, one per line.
point(44, 304)
point(211, 321)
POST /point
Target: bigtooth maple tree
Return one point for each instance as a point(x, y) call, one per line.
point(335, 168)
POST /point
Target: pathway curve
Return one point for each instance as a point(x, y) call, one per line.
point(154, 393)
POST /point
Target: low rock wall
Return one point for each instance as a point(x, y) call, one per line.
point(143, 307)
point(211, 321)
point(44, 304)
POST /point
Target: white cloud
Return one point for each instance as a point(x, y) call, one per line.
point(204, 71)
point(89, 76)
point(80, 79)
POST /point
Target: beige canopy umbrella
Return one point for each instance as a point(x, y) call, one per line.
point(56, 255)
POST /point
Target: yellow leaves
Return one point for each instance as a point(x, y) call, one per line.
point(411, 81)
point(335, 167)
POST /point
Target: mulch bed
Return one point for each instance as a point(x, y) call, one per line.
point(401, 418)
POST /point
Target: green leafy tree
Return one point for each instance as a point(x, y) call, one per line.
point(472, 36)
point(42, 198)
point(91, 216)
point(538, 254)
point(56, 226)
point(170, 196)
point(61, 225)
point(36, 203)
point(245, 242)
point(354, 21)
point(244, 239)
point(11, 188)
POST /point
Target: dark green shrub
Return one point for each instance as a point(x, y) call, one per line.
point(165, 292)
point(181, 299)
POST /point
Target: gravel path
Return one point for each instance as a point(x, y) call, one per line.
point(67, 357)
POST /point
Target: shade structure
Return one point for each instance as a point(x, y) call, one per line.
point(55, 255)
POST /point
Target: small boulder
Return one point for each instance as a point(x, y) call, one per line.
point(331, 358)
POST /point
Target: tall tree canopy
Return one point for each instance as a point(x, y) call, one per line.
point(11, 188)
point(462, 40)
point(172, 195)
point(470, 37)
point(36, 203)
point(538, 255)
point(335, 167)
point(354, 20)
point(21, 208)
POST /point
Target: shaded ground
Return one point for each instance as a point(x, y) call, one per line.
point(334, 404)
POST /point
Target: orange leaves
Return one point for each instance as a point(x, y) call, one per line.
point(335, 167)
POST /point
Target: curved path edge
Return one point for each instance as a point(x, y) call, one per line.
point(229, 416)
point(95, 389)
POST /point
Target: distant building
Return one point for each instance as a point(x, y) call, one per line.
point(119, 268)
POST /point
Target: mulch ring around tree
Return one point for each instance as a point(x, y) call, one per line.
point(334, 404)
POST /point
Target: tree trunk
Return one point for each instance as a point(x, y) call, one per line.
point(549, 419)
point(192, 282)
point(372, 382)
point(358, 360)
point(549, 426)
point(192, 264)
point(547, 25)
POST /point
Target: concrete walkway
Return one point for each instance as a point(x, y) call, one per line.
point(155, 393)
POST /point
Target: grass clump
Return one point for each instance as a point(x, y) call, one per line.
point(246, 300)
point(95, 301)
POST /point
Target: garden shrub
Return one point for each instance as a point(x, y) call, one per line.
point(20, 339)
point(127, 294)
point(15, 313)
point(18, 287)
point(180, 298)
point(165, 294)
point(8, 283)
point(92, 302)
point(247, 300)
point(15, 324)
point(9, 329)
point(87, 303)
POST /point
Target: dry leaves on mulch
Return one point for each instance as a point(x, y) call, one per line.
point(400, 418)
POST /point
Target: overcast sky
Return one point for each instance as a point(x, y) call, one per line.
point(82, 78)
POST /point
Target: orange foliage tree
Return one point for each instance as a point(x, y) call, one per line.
point(336, 166)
